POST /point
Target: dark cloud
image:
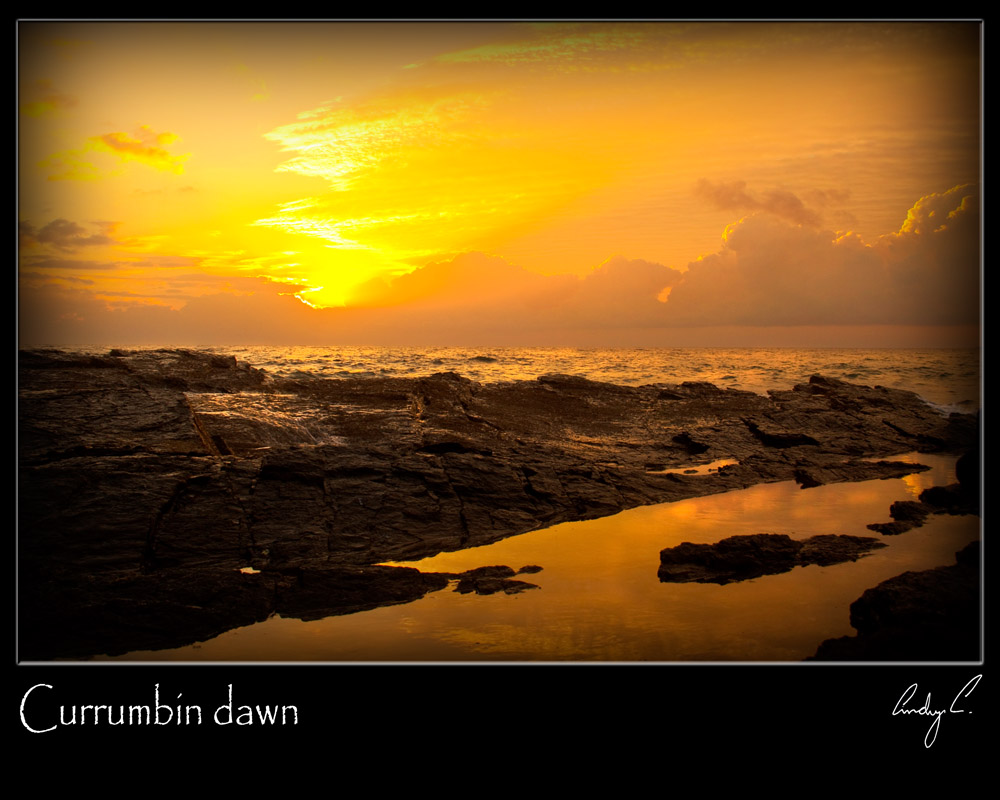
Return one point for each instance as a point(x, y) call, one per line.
point(780, 202)
point(53, 262)
point(772, 273)
point(25, 233)
point(41, 98)
point(66, 235)
point(39, 278)
point(827, 197)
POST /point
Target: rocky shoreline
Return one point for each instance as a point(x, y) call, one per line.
point(167, 496)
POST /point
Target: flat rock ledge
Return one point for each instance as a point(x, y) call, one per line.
point(149, 480)
point(741, 558)
point(933, 615)
point(957, 498)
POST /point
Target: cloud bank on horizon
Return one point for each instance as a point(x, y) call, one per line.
point(769, 272)
point(501, 184)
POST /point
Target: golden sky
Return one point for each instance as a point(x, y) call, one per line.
point(499, 183)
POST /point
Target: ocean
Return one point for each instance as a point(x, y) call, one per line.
point(946, 378)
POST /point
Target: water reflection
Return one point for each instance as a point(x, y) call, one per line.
point(600, 598)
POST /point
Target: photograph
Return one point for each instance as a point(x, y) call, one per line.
point(507, 342)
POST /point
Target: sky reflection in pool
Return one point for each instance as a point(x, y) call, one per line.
point(600, 598)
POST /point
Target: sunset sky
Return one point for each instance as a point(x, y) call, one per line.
point(499, 183)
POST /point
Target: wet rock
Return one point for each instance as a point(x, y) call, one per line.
point(689, 444)
point(931, 615)
point(490, 580)
point(822, 471)
point(890, 528)
point(499, 571)
point(908, 514)
point(769, 439)
point(968, 473)
point(909, 511)
point(945, 498)
point(739, 558)
point(319, 593)
point(149, 474)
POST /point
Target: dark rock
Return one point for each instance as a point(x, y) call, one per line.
point(908, 514)
point(739, 558)
point(805, 479)
point(909, 511)
point(319, 593)
point(148, 477)
point(967, 471)
point(822, 472)
point(500, 571)
point(689, 444)
point(917, 616)
point(779, 439)
point(891, 528)
point(490, 580)
point(943, 498)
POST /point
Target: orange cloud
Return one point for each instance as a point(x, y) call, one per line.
point(769, 272)
point(147, 147)
point(780, 202)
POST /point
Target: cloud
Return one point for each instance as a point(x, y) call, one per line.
point(623, 292)
point(42, 99)
point(147, 147)
point(470, 296)
point(58, 315)
point(66, 235)
point(933, 260)
point(40, 278)
point(565, 46)
point(341, 144)
point(50, 262)
point(770, 272)
point(780, 202)
point(469, 280)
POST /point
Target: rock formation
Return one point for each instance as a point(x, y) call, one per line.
point(740, 558)
point(168, 495)
point(933, 615)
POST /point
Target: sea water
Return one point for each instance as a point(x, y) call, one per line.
point(946, 377)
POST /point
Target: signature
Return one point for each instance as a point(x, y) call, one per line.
point(926, 711)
